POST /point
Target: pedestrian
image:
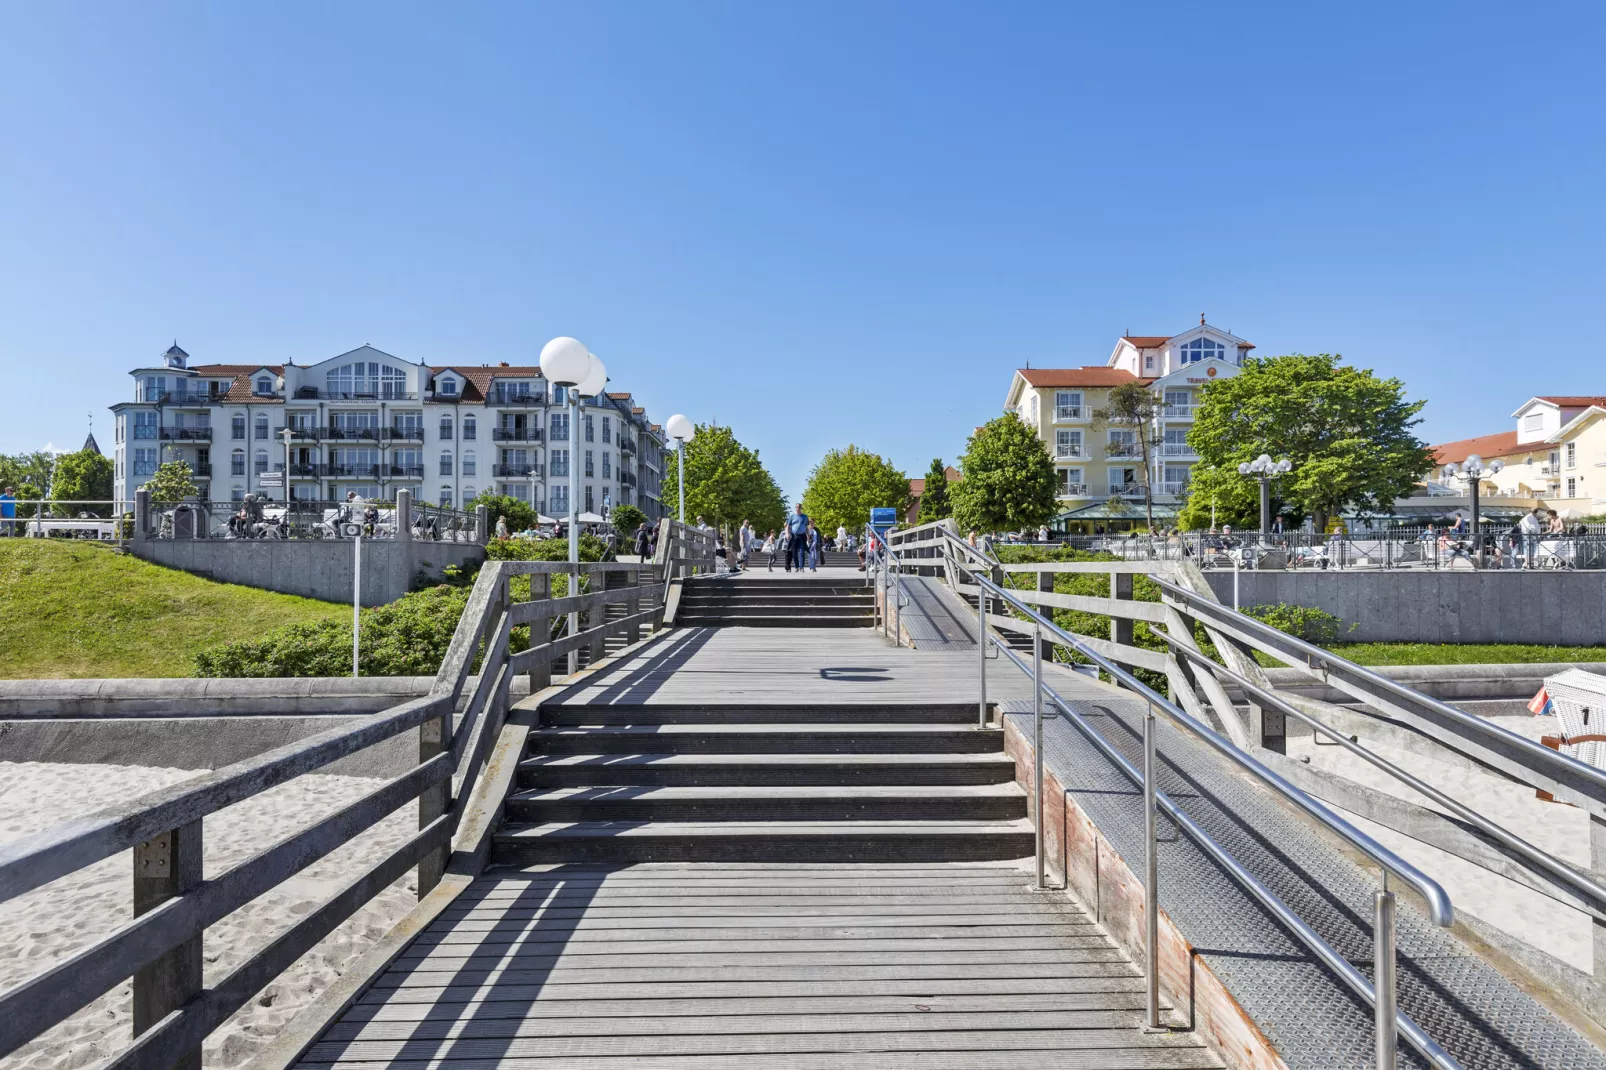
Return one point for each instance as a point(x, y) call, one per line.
point(1531, 525)
point(1458, 526)
point(8, 512)
point(701, 526)
point(744, 543)
point(971, 539)
point(797, 529)
point(721, 561)
point(816, 539)
point(1042, 533)
point(771, 547)
point(643, 541)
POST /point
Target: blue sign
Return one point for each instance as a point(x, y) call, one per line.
point(883, 518)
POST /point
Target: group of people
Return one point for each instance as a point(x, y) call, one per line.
point(1519, 546)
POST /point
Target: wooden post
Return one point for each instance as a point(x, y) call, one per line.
point(1121, 627)
point(433, 801)
point(1045, 583)
point(166, 866)
point(596, 618)
point(540, 630)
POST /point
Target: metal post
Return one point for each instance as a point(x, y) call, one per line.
point(1383, 974)
point(574, 519)
point(1477, 542)
point(1151, 872)
point(1037, 746)
point(356, 600)
point(680, 484)
point(897, 610)
point(1265, 507)
point(981, 662)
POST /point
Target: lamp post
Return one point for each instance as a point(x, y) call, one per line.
point(566, 362)
point(1265, 469)
point(682, 431)
point(1474, 469)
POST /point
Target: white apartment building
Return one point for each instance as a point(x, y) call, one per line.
point(1555, 453)
point(370, 422)
point(1059, 403)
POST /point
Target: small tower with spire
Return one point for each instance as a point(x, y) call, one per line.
point(176, 358)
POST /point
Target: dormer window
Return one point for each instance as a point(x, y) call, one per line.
point(264, 384)
point(447, 387)
point(1202, 349)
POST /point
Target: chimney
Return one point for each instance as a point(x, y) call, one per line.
point(501, 364)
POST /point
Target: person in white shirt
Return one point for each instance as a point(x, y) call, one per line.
point(842, 537)
point(1531, 525)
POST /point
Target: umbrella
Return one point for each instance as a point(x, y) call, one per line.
point(539, 519)
point(591, 518)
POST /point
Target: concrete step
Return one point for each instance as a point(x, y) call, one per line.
point(784, 738)
point(555, 715)
point(980, 802)
point(759, 770)
point(768, 841)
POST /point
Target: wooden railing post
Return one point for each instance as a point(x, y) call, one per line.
point(1121, 627)
point(166, 866)
point(596, 618)
point(1045, 584)
point(541, 631)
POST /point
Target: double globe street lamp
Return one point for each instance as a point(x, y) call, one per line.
point(682, 431)
point(1265, 469)
point(1474, 469)
point(566, 362)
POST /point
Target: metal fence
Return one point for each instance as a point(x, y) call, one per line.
point(299, 519)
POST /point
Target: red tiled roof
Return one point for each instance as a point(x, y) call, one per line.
point(478, 379)
point(240, 385)
point(1574, 401)
point(1146, 341)
point(1090, 376)
point(917, 487)
point(1502, 444)
point(620, 397)
point(638, 410)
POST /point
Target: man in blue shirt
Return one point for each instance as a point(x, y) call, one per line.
point(797, 525)
point(8, 511)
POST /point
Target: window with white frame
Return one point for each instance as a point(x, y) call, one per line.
point(560, 499)
point(1202, 349)
point(470, 428)
point(1572, 455)
point(366, 379)
point(606, 430)
point(1534, 421)
point(262, 426)
point(264, 385)
point(468, 462)
point(236, 493)
point(558, 462)
point(1572, 486)
point(261, 461)
point(237, 463)
point(446, 386)
point(446, 462)
point(145, 424)
point(607, 469)
point(560, 427)
point(1070, 482)
point(1068, 405)
point(144, 462)
point(237, 426)
point(446, 427)
point(468, 494)
point(1068, 444)
point(445, 498)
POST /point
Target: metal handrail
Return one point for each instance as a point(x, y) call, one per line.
point(1540, 759)
point(1382, 997)
point(1559, 871)
point(892, 567)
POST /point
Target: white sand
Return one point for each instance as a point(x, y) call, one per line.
point(50, 923)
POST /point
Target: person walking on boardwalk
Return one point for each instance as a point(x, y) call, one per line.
point(816, 546)
point(745, 541)
point(797, 528)
point(8, 512)
point(770, 547)
point(643, 540)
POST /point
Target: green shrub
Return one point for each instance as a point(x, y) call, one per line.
point(626, 519)
point(1302, 622)
point(519, 515)
point(591, 549)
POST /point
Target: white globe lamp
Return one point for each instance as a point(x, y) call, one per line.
point(681, 430)
point(565, 361)
point(595, 380)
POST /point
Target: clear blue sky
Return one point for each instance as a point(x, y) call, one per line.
point(819, 223)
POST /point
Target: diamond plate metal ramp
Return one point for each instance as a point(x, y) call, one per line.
point(1476, 1013)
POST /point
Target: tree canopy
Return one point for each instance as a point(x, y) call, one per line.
point(79, 477)
point(518, 512)
point(934, 500)
point(33, 469)
point(626, 519)
point(1132, 407)
point(1347, 432)
point(172, 482)
point(847, 484)
point(1009, 479)
point(725, 482)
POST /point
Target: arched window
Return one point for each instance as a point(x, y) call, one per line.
point(1202, 349)
point(366, 379)
point(468, 495)
point(446, 497)
point(468, 461)
point(469, 428)
point(261, 461)
point(446, 427)
point(237, 463)
point(237, 425)
point(262, 425)
point(264, 384)
point(446, 462)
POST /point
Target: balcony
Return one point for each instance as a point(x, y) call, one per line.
point(1067, 412)
point(1544, 469)
point(354, 471)
point(312, 393)
point(1121, 449)
point(1177, 449)
point(626, 479)
point(1073, 490)
point(516, 434)
point(627, 445)
point(1174, 489)
point(516, 471)
point(404, 434)
point(352, 434)
point(1179, 412)
point(201, 471)
point(1068, 453)
point(1126, 490)
point(306, 471)
point(560, 470)
point(406, 471)
point(189, 399)
point(186, 434)
point(516, 401)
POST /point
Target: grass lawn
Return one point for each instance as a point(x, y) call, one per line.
point(1463, 654)
point(74, 609)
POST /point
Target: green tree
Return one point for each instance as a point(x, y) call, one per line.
point(82, 476)
point(934, 501)
point(172, 482)
point(847, 484)
point(34, 469)
point(519, 515)
point(626, 519)
point(1347, 432)
point(1131, 408)
point(1009, 478)
point(725, 482)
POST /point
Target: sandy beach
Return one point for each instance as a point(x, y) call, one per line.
point(50, 923)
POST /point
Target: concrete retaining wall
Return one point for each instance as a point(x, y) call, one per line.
point(313, 568)
point(1439, 606)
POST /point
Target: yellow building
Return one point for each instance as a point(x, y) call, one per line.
point(1095, 466)
point(1556, 454)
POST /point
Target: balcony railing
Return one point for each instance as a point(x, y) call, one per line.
point(190, 399)
point(406, 471)
point(516, 471)
point(1126, 490)
point(186, 434)
point(1067, 453)
point(626, 479)
point(1067, 412)
point(627, 445)
point(201, 471)
point(306, 471)
point(559, 436)
point(404, 434)
point(560, 469)
point(1177, 449)
point(1179, 412)
point(511, 401)
point(516, 434)
point(1121, 449)
point(1544, 469)
point(354, 471)
point(352, 434)
point(312, 393)
point(1174, 488)
point(1073, 490)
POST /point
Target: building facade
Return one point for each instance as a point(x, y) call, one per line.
point(1093, 465)
point(1556, 453)
point(370, 422)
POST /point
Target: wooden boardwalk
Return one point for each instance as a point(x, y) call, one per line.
point(801, 965)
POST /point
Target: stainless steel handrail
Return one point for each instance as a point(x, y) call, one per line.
point(893, 565)
point(1381, 998)
point(1541, 759)
point(1558, 870)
